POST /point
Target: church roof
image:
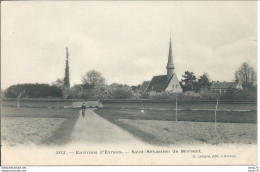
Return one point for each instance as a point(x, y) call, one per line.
point(144, 85)
point(223, 85)
point(158, 83)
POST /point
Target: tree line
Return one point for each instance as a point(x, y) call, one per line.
point(93, 86)
point(245, 75)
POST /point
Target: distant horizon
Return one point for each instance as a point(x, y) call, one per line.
point(197, 77)
point(128, 42)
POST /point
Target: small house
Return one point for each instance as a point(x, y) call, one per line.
point(222, 87)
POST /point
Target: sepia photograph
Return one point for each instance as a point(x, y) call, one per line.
point(128, 83)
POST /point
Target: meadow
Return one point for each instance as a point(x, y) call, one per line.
point(40, 126)
point(48, 123)
point(159, 127)
point(136, 104)
point(181, 105)
point(183, 115)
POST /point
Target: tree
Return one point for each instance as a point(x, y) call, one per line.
point(120, 91)
point(67, 72)
point(77, 92)
point(101, 92)
point(58, 83)
point(93, 79)
point(203, 83)
point(189, 81)
point(246, 75)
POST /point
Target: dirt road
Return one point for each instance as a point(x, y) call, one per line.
point(93, 129)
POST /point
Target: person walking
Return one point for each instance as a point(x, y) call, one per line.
point(83, 109)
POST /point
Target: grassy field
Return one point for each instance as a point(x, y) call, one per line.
point(181, 105)
point(36, 104)
point(140, 105)
point(170, 132)
point(184, 115)
point(159, 127)
point(41, 126)
point(38, 112)
point(53, 126)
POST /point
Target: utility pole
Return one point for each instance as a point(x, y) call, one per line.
point(18, 98)
point(176, 104)
point(216, 115)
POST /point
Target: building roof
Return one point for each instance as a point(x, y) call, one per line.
point(223, 85)
point(158, 83)
point(144, 85)
point(170, 59)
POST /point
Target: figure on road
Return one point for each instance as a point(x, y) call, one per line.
point(83, 108)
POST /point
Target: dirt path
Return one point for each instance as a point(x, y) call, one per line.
point(93, 129)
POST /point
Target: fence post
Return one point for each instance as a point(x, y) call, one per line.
point(216, 115)
point(18, 102)
point(176, 111)
point(18, 98)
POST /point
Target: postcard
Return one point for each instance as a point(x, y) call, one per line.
point(128, 83)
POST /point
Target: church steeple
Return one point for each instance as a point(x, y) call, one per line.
point(170, 66)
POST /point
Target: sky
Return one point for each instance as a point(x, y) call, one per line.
point(127, 41)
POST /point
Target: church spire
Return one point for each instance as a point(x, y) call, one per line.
point(170, 66)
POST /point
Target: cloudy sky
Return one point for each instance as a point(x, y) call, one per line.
point(127, 41)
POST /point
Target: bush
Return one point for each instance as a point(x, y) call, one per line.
point(33, 91)
point(207, 95)
point(240, 95)
point(77, 92)
point(231, 95)
point(159, 96)
point(119, 91)
point(189, 96)
point(113, 91)
point(186, 96)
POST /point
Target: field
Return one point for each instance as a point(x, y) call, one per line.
point(37, 125)
point(48, 123)
point(183, 115)
point(36, 104)
point(181, 105)
point(135, 104)
point(158, 127)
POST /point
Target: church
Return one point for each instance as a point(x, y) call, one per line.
point(167, 82)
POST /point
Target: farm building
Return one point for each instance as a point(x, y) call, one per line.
point(222, 87)
point(167, 82)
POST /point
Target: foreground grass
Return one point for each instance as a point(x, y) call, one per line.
point(159, 127)
point(40, 126)
point(170, 132)
point(62, 135)
point(27, 131)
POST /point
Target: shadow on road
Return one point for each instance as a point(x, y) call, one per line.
point(62, 135)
